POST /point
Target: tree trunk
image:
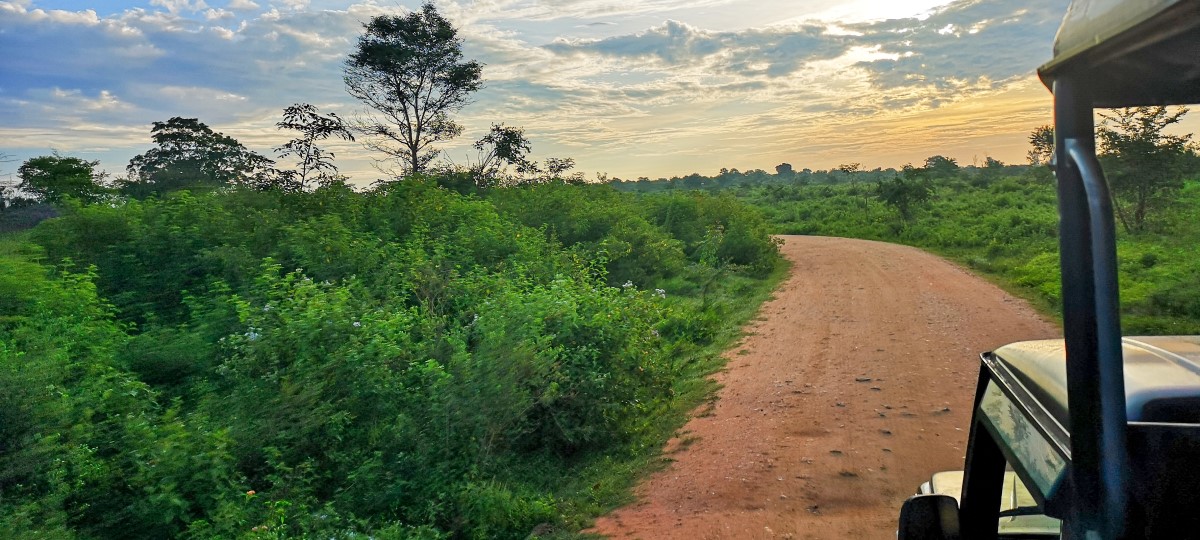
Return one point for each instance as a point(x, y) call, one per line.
point(1139, 213)
point(1121, 215)
point(415, 160)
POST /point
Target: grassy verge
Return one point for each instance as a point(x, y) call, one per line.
point(1006, 231)
point(596, 488)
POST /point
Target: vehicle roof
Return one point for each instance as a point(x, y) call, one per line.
point(1162, 376)
point(1132, 52)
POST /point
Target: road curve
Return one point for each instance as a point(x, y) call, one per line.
point(852, 386)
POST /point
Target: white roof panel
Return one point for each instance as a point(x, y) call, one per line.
point(1130, 52)
point(1090, 22)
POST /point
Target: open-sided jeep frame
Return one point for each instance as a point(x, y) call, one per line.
point(1102, 431)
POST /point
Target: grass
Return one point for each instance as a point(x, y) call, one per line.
point(1006, 232)
point(609, 484)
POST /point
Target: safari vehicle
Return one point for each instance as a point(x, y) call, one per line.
point(1098, 432)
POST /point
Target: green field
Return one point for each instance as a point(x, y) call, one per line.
point(1006, 229)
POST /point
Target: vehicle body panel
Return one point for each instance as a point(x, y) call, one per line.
point(1016, 498)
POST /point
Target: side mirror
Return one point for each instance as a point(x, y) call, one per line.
point(929, 517)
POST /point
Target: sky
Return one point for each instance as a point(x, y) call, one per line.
point(628, 88)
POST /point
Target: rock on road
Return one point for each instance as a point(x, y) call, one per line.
point(853, 385)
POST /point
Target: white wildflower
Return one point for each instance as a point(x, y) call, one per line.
point(627, 284)
point(662, 293)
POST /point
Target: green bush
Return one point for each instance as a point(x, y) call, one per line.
point(409, 362)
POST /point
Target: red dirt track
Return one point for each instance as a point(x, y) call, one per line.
point(799, 444)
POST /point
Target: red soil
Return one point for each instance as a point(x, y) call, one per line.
point(853, 386)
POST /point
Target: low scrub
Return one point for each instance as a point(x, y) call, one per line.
point(404, 363)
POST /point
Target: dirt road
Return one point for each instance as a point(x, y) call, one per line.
point(853, 386)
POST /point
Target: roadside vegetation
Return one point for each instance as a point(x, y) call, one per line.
point(1002, 220)
point(1007, 229)
point(403, 363)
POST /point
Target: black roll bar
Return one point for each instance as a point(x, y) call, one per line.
point(1091, 323)
point(983, 474)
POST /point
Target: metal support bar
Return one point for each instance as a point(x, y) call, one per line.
point(983, 475)
point(1091, 323)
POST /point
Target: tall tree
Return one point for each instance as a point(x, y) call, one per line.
point(1042, 141)
point(502, 146)
point(850, 171)
point(903, 194)
point(189, 154)
point(312, 162)
point(56, 177)
point(941, 166)
point(991, 171)
point(1144, 165)
point(556, 171)
point(785, 169)
point(410, 70)
point(849, 168)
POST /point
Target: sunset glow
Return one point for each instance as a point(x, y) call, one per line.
point(655, 88)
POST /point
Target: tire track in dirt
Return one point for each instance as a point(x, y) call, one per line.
point(851, 388)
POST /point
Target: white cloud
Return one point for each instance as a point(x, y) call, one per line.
point(199, 94)
point(241, 5)
point(58, 16)
point(772, 52)
point(177, 6)
point(74, 100)
point(218, 15)
point(1002, 42)
point(292, 5)
point(551, 10)
point(223, 33)
point(17, 6)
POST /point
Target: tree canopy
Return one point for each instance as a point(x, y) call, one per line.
point(410, 71)
point(849, 168)
point(904, 194)
point(55, 177)
point(1143, 163)
point(189, 154)
point(1042, 141)
point(313, 163)
point(941, 166)
point(502, 146)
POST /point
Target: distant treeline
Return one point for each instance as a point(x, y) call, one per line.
point(784, 174)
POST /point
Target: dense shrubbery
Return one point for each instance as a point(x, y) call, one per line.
point(408, 363)
point(648, 239)
point(1007, 227)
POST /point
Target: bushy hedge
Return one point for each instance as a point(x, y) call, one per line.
point(405, 363)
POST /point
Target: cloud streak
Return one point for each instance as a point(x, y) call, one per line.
point(598, 80)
